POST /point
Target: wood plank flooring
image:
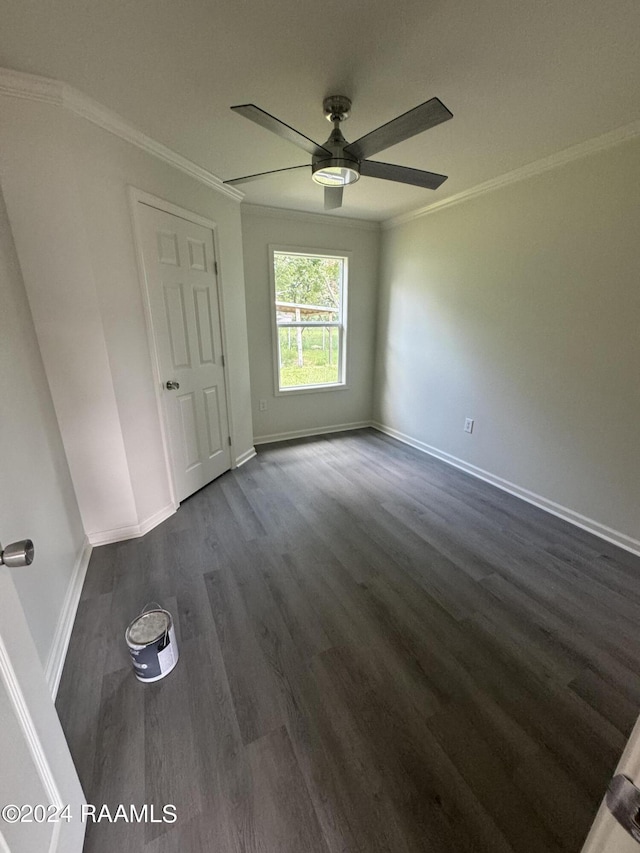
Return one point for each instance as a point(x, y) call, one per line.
point(378, 653)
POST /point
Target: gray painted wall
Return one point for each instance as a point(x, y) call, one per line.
point(325, 409)
point(521, 309)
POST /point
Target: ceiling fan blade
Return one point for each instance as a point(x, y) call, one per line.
point(332, 197)
point(403, 127)
point(402, 174)
point(281, 129)
point(261, 175)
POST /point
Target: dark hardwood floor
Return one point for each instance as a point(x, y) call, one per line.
point(378, 653)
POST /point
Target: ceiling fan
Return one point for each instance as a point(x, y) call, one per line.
point(336, 162)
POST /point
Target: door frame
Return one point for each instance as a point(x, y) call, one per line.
point(137, 197)
point(22, 677)
point(9, 679)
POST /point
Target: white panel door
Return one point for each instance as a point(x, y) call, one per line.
point(607, 836)
point(36, 769)
point(181, 279)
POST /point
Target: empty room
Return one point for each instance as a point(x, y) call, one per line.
point(320, 506)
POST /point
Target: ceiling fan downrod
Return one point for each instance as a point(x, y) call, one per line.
point(341, 168)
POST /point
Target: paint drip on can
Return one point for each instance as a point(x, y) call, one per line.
point(151, 639)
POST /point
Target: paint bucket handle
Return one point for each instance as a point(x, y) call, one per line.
point(154, 605)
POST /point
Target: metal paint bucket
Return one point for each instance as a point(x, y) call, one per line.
point(151, 639)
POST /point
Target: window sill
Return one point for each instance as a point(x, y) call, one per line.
point(311, 389)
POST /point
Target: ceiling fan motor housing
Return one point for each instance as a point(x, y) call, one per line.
point(341, 168)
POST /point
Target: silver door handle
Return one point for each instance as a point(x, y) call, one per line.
point(17, 554)
point(172, 385)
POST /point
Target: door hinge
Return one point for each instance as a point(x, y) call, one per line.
point(223, 361)
point(229, 439)
point(215, 267)
point(623, 801)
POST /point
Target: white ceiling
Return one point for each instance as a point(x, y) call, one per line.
point(523, 79)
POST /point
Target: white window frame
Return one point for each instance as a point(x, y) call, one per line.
point(341, 324)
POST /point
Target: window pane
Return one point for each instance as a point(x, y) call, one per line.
point(309, 356)
point(309, 289)
point(306, 283)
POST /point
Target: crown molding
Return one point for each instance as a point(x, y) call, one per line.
point(17, 84)
point(305, 216)
point(567, 155)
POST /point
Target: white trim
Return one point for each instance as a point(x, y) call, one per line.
point(305, 216)
point(245, 457)
point(60, 644)
point(224, 341)
point(343, 254)
point(560, 158)
point(17, 84)
point(16, 698)
point(168, 207)
point(303, 433)
point(312, 389)
point(575, 518)
point(132, 531)
point(157, 518)
point(136, 197)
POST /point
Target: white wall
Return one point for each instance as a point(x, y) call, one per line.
point(105, 166)
point(65, 182)
point(308, 412)
point(521, 309)
point(37, 500)
point(38, 176)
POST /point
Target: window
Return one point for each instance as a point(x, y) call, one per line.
point(309, 307)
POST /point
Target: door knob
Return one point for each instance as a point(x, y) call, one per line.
point(172, 385)
point(17, 554)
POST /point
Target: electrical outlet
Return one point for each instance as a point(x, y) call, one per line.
point(468, 424)
point(262, 405)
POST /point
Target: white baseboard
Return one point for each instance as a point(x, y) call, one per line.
point(119, 534)
point(58, 653)
point(303, 433)
point(588, 524)
point(245, 457)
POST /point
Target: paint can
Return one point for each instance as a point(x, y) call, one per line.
point(151, 639)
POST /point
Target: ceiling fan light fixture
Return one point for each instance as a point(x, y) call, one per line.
point(335, 173)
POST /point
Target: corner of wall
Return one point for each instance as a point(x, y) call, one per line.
point(60, 642)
